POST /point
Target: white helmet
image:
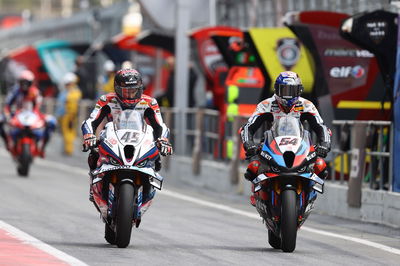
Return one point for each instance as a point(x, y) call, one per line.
point(70, 78)
point(109, 66)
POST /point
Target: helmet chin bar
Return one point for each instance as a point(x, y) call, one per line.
point(287, 105)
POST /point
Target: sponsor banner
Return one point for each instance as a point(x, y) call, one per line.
point(376, 31)
point(345, 66)
point(280, 50)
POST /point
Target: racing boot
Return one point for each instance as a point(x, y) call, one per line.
point(7, 141)
point(40, 151)
point(92, 162)
point(320, 168)
point(250, 174)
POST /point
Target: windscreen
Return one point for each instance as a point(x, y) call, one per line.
point(287, 126)
point(129, 119)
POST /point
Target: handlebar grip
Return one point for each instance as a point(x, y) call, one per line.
point(86, 148)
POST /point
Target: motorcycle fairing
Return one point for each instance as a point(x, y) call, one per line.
point(107, 150)
point(318, 184)
point(150, 155)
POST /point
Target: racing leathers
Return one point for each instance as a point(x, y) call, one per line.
point(267, 111)
point(30, 99)
point(109, 107)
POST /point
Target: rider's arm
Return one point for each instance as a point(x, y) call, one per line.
point(38, 99)
point(100, 111)
point(262, 114)
point(10, 99)
point(154, 119)
point(311, 115)
point(150, 117)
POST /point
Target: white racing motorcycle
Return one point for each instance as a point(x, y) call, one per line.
point(123, 182)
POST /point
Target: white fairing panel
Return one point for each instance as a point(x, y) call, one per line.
point(128, 129)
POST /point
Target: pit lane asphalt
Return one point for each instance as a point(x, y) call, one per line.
point(52, 205)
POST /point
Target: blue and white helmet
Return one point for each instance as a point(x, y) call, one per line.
point(288, 88)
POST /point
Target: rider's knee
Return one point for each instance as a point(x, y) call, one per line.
point(92, 160)
point(51, 123)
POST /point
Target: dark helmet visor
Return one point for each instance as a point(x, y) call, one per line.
point(285, 90)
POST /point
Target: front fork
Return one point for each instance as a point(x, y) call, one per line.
point(113, 192)
point(271, 194)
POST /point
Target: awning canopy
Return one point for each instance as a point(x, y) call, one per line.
point(129, 42)
point(156, 39)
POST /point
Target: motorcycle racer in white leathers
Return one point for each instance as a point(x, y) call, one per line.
point(288, 88)
point(128, 94)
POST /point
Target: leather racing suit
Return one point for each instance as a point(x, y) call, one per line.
point(31, 99)
point(108, 107)
point(267, 111)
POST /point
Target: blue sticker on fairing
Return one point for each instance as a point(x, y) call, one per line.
point(148, 154)
point(110, 151)
point(303, 148)
point(277, 158)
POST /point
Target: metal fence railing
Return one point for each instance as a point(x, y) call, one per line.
point(209, 136)
point(378, 162)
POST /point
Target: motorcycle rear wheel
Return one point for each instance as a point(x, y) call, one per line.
point(24, 160)
point(288, 220)
point(274, 240)
point(124, 217)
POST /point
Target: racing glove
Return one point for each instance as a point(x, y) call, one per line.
point(164, 147)
point(7, 116)
point(251, 149)
point(89, 140)
point(322, 149)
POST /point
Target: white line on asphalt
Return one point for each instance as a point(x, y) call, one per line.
point(255, 216)
point(30, 240)
point(73, 169)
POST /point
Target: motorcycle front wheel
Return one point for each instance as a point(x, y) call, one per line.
point(288, 220)
point(125, 208)
point(24, 160)
point(109, 234)
point(274, 240)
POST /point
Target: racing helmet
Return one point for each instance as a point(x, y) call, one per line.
point(288, 88)
point(25, 79)
point(128, 86)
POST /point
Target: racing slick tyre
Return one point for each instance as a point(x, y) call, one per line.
point(24, 160)
point(288, 220)
point(274, 240)
point(124, 217)
point(109, 234)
